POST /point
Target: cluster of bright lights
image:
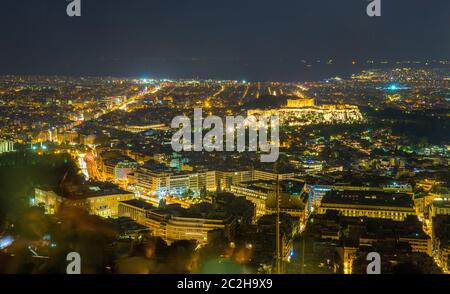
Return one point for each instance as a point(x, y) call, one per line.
point(35, 147)
point(395, 87)
point(6, 242)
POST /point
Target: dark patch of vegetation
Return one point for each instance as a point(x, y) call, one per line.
point(22, 172)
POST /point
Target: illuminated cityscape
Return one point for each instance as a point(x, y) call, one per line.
point(87, 163)
point(350, 177)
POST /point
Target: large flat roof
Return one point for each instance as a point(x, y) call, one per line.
point(139, 204)
point(369, 198)
point(89, 190)
point(290, 186)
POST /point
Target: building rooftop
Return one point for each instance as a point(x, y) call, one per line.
point(91, 189)
point(442, 202)
point(370, 198)
point(155, 166)
point(203, 211)
point(125, 224)
point(117, 160)
point(139, 204)
point(292, 187)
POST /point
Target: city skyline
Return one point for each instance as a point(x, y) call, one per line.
point(225, 137)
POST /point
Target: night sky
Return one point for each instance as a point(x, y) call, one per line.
point(233, 39)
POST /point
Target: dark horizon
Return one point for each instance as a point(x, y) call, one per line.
point(254, 40)
point(300, 74)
